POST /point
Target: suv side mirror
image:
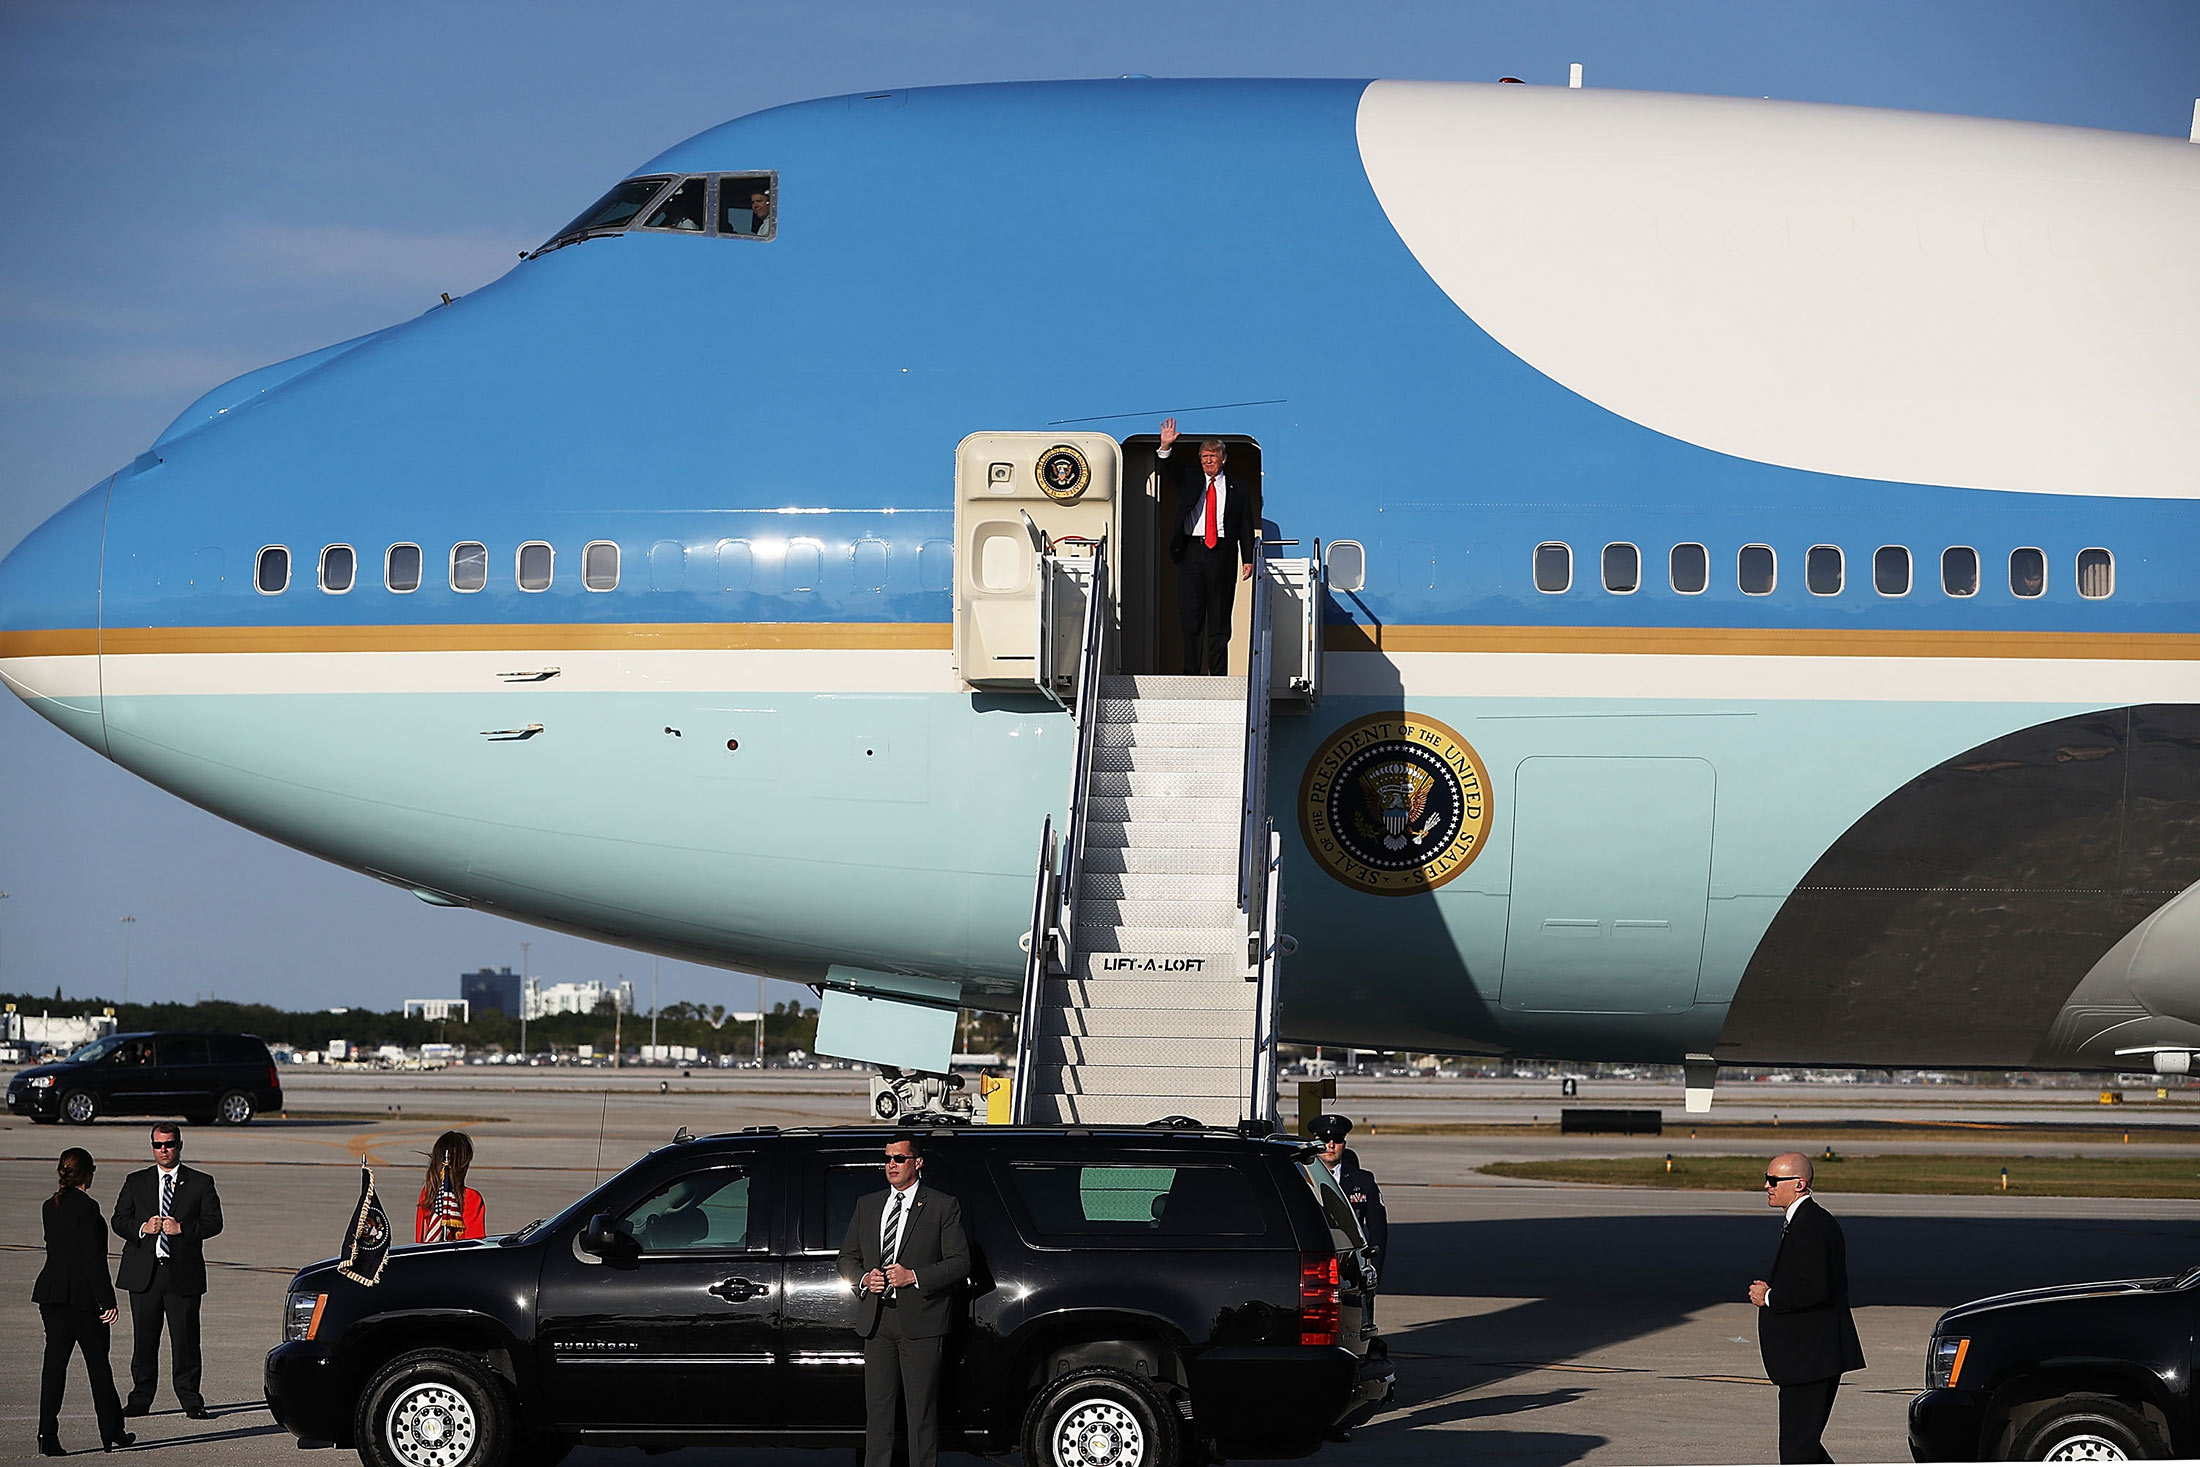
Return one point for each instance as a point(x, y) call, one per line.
point(600, 1238)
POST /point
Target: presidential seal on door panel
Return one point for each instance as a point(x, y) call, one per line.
point(1064, 474)
point(1395, 804)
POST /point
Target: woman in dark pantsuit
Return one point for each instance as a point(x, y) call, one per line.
point(76, 1303)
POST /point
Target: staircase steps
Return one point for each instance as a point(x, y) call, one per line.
point(1155, 1017)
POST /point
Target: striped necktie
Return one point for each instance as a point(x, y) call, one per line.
point(167, 1209)
point(889, 1252)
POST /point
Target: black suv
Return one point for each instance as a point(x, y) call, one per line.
point(202, 1077)
point(1203, 1292)
point(2075, 1373)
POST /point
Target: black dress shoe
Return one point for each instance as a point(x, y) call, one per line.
point(198, 1413)
point(137, 1408)
point(119, 1439)
point(50, 1446)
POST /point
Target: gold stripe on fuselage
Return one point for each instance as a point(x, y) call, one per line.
point(939, 637)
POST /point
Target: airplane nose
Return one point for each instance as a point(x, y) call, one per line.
point(49, 618)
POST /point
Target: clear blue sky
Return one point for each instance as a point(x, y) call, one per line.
point(194, 190)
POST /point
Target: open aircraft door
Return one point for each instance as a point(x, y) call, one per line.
point(1029, 510)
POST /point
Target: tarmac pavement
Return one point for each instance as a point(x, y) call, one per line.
point(1535, 1324)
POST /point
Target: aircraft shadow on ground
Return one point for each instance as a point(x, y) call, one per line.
point(1593, 1282)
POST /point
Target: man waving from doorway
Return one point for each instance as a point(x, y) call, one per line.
point(1211, 532)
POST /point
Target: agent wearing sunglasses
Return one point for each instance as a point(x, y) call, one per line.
point(164, 1216)
point(905, 1256)
point(1804, 1329)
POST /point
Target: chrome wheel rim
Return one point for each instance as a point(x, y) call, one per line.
point(236, 1110)
point(79, 1107)
point(2086, 1446)
point(1099, 1433)
point(430, 1425)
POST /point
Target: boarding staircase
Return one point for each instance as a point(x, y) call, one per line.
point(1151, 978)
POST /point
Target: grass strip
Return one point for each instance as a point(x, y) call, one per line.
point(1922, 1173)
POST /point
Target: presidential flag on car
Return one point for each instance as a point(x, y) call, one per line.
point(367, 1240)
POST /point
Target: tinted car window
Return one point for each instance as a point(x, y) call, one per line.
point(1117, 1198)
point(130, 1052)
point(185, 1050)
point(238, 1049)
point(703, 1211)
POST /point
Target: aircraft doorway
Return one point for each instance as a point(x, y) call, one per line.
point(1152, 639)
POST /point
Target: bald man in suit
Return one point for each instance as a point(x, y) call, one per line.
point(1804, 1329)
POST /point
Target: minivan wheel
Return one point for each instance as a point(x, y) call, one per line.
point(433, 1408)
point(2090, 1429)
point(80, 1107)
point(1100, 1418)
point(234, 1109)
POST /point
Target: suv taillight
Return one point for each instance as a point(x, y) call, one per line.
point(1321, 1309)
point(274, 1076)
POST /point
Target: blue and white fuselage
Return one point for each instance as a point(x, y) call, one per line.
point(1484, 332)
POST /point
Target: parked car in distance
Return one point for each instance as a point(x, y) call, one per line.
point(2075, 1373)
point(1150, 1296)
point(205, 1078)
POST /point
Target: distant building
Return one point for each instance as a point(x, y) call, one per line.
point(436, 1010)
point(490, 991)
point(575, 998)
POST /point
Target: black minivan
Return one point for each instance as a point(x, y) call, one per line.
point(202, 1077)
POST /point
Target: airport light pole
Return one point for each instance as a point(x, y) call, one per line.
point(127, 924)
point(523, 946)
point(653, 964)
point(760, 1021)
point(3, 984)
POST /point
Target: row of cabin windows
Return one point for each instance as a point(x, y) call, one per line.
point(404, 567)
point(1825, 571)
point(534, 566)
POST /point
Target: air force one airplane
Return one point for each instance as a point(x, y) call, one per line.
point(1729, 580)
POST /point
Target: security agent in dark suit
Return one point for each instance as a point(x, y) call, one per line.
point(76, 1303)
point(1804, 1329)
point(164, 1216)
point(1211, 523)
point(905, 1256)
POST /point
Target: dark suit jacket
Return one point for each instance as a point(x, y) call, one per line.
point(1187, 485)
point(932, 1243)
point(76, 1255)
point(1807, 1333)
point(197, 1208)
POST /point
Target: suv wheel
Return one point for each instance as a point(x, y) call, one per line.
point(234, 1109)
point(433, 1408)
point(80, 1107)
point(1100, 1418)
point(2090, 1429)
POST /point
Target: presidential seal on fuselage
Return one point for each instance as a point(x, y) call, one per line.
point(1394, 804)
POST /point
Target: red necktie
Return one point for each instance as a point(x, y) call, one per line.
point(1210, 511)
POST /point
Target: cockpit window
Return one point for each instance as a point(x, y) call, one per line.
point(748, 204)
point(722, 205)
point(613, 212)
point(681, 209)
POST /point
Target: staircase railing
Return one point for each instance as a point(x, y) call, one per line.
point(1092, 665)
point(1252, 832)
point(1261, 1104)
point(1035, 976)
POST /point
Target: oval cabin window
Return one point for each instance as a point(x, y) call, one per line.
point(1554, 567)
point(1690, 566)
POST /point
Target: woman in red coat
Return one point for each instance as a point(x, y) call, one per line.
point(449, 1209)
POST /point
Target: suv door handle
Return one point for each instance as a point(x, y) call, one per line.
point(733, 1291)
